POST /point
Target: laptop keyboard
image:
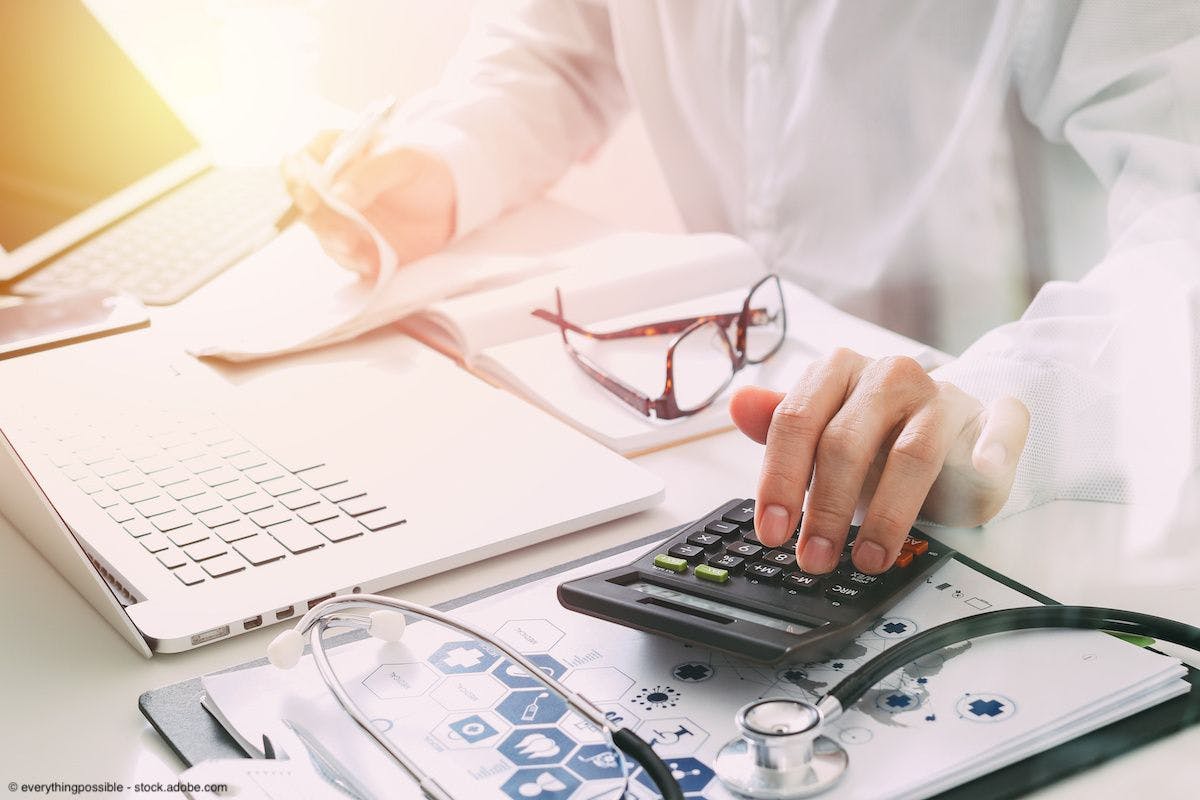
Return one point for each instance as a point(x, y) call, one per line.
point(164, 251)
point(206, 503)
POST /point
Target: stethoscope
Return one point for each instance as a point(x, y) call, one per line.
point(779, 752)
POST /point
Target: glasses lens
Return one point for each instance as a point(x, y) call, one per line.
point(767, 323)
point(703, 366)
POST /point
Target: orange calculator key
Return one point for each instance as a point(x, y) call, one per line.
point(904, 559)
point(918, 547)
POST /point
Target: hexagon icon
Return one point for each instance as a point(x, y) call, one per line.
point(465, 692)
point(545, 784)
point(392, 681)
point(515, 676)
point(529, 635)
point(581, 729)
point(456, 658)
point(532, 707)
point(619, 715)
point(596, 762)
point(692, 775)
point(674, 736)
point(599, 683)
point(531, 747)
point(471, 729)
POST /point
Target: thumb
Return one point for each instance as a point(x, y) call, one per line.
point(1001, 439)
point(751, 408)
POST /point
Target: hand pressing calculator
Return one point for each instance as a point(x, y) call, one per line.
point(715, 584)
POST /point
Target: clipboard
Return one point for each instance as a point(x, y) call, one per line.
point(175, 711)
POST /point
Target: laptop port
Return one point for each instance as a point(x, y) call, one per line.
point(209, 635)
point(322, 599)
point(251, 623)
point(284, 613)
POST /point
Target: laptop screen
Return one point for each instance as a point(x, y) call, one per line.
point(80, 121)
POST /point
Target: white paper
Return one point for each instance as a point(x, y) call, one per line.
point(454, 706)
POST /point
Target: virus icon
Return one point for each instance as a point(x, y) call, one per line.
point(658, 697)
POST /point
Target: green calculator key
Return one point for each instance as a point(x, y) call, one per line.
point(714, 574)
point(671, 563)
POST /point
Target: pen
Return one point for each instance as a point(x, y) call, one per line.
point(349, 145)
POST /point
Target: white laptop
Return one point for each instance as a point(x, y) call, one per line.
point(190, 505)
point(102, 185)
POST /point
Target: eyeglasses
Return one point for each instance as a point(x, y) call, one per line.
point(701, 359)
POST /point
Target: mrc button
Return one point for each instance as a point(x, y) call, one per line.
point(842, 592)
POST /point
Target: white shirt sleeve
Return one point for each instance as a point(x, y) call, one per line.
point(533, 88)
point(1109, 367)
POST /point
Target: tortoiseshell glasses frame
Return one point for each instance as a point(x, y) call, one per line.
point(666, 406)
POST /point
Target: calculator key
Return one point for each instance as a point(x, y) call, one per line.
point(259, 549)
point(339, 529)
point(859, 579)
point(295, 536)
point(743, 550)
point(841, 592)
point(763, 573)
point(189, 575)
point(914, 545)
point(780, 558)
point(731, 564)
point(723, 529)
point(740, 514)
point(713, 574)
point(670, 563)
point(904, 558)
point(224, 564)
point(709, 541)
point(691, 553)
point(801, 582)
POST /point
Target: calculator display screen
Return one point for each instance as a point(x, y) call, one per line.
point(716, 607)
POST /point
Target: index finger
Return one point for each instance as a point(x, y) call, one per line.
point(796, 427)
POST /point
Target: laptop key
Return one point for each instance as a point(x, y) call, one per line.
point(188, 534)
point(155, 542)
point(216, 517)
point(138, 528)
point(239, 488)
point(281, 486)
point(202, 464)
point(105, 498)
point(141, 492)
point(222, 565)
point(251, 503)
point(154, 464)
point(264, 472)
point(339, 529)
point(361, 505)
point(298, 463)
point(318, 513)
point(201, 503)
point(251, 458)
point(301, 499)
point(342, 492)
point(122, 512)
point(221, 475)
point(170, 521)
point(321, 477)
point(205, 549)
point(242, 529)
point(78, 471)
point(295, 536)
point(172, 559)
point(123, 480)
point(378, 520)
point(110, 466)
point(189, 488)
point(189, 575)
point(259, 549)
point(90, 485)
point(270, 516)
point(233, 447)
point(171, 476)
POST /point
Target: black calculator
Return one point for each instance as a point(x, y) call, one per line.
point(715, 584)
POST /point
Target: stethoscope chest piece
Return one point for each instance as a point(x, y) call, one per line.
point(780, 752)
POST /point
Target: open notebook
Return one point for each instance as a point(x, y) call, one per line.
point(473, 303)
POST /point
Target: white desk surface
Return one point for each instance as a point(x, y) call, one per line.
point(71, 683)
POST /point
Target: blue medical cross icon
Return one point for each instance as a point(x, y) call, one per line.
point(986, 708)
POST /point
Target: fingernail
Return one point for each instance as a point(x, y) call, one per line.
point(993, 457)
point(869, 556)
point(774, 525)
point(817, 556)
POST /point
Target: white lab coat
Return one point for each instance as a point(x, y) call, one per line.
point(871, 152)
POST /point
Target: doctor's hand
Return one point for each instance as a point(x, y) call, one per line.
point(408, 195)
point(883, 431)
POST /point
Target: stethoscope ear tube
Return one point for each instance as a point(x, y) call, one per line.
point(636, 748)
point(850, 690)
